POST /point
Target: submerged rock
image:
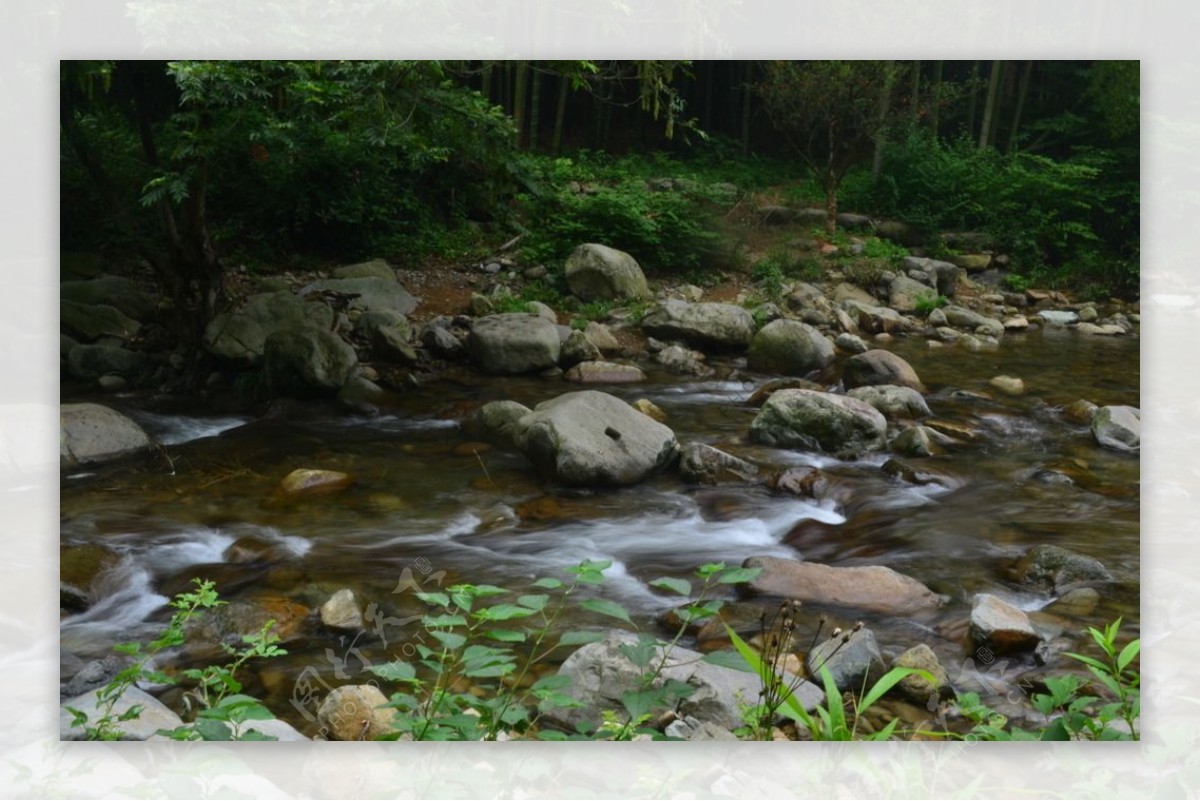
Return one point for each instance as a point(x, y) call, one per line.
point(874, 588)
point(309, 483)
point(893, 401)
point(1116, 427)
point(1050, 566)
point(598, 372)
point(704, 464)
point(341, 611)
point(496, 423)
point(821, 421)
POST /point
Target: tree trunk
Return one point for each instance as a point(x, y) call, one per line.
point(486, 88)
point(935, 99)
point(829, 182)
point(915, 93)
point(881, 110)
point(560, 114)
point(535, 102)
point(974, 98)
point(747, 98)
point(989, 108)
point(1022, 93)
point(518, 113)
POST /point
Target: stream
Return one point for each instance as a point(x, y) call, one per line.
point(429, 508)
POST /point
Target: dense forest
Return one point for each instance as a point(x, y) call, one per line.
point(191, 167)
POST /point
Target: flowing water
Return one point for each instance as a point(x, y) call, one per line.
point(429, 508)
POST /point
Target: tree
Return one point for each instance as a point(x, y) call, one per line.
point(344, 154)
point(830, 113)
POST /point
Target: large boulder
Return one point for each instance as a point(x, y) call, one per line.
point(592, 438)
point(143, 725)
point(601, 372)
point(93, 433)
point(876, 367)
point(942, 274)
point(88, 322)
point(375, 268)
point(959, 317)
point(892, 401)
point(872, 318)
point(510, 344)
point(601, 673)
point(821, 421)
point(110, 290)
point(873, 588)
point(94, 361)
point(720, 325)
point(904, 293)
point(789, 347)
point(598, 272)
point(306, 361)
point(241, 335)
point(388, 333)
point(374, 293)
point(1116, 427)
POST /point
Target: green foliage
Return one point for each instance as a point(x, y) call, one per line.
point(866, 273)
point(1016, 283)
point(220, 710)
point(878, 248)
point(593, 199)
point(928, 301)
point(1076, 714)
point(778, 696)
point(431, 706)
point(1071, 218)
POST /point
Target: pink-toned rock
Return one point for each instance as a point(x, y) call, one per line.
point(875, 588)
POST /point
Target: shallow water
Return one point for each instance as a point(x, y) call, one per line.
point(427, 507)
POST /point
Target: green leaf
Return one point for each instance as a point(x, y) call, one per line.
point(438, 598)
point(890, 680)
point(604, 606)
point(254, 735)
point(502, 612)
point(395, 671)
point(534, 602)
point(675, 585)
point(484, 590)
point(551, 735)
point(551, 682)
point(1128, 654)
point(641, 652)
point(738, 575)
point(580, 637)
point(443, 621)
point(728, 659)
point(132, 713)
point(548, 584)
point(639, 703)
point(708, 570)
point(449, 639)
point(506, 635)
point(213, 730)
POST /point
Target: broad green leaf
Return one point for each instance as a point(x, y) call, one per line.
point(213, 730)
point(438, 598)
point(738, 575)
point(449, 639)
point(580, 637)
point(675, 585)
point(639, 703)
point(502, 612)
point(604, 606)
point(254, 735)
point(552, 682)
point(484, 590)
point(534, 602)
point(395, 671)
point(548, 584)
point(729, 659)
point(1128, 653)
point(506, 635)
point(890, 680)
point(443, 621)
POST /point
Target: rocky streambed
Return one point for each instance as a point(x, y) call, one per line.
point(961, 481)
